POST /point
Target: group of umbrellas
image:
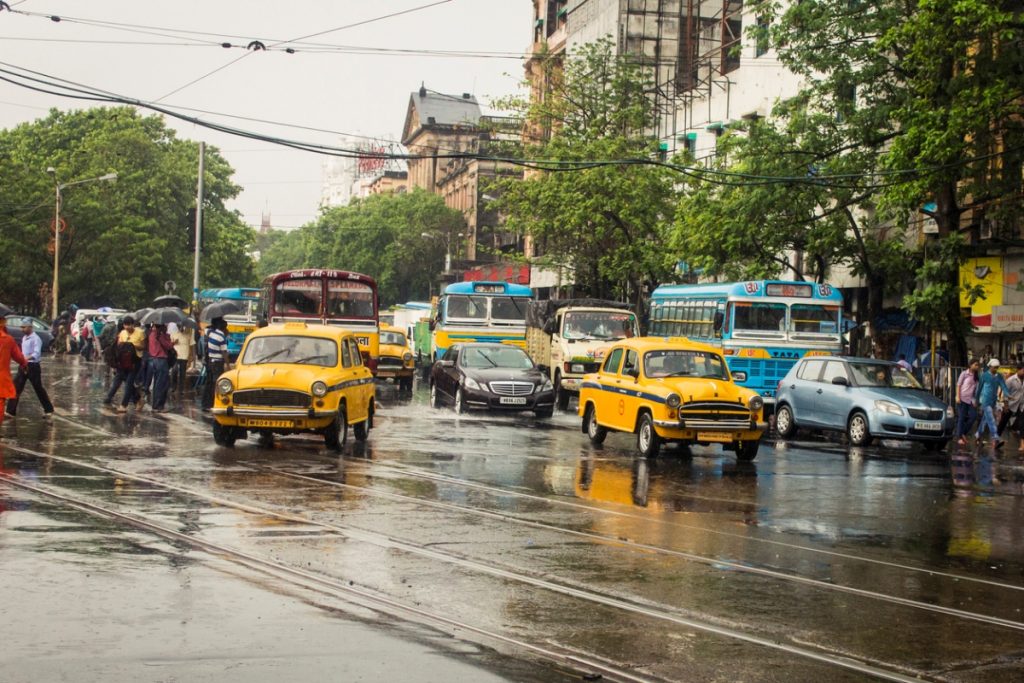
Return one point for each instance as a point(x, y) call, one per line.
point(168, 309)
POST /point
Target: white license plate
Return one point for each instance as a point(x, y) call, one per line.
point(512, 401)
point(255, 422)
point(929, 426)
point(715, 436)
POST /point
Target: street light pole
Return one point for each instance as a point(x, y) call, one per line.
point(58, 186)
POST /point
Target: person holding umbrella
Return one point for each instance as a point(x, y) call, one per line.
point(128, 355)
point(160, 348)
point(8, 351)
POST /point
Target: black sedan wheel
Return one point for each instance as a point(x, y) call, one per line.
point(460, 402)
point(435, 398)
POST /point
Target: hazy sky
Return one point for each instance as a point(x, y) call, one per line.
point(346, 83)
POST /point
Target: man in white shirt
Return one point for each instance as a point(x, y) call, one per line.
point(32, 349)
point(1014, 405)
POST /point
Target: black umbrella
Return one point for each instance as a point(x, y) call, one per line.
point(219, 310)
point(5, 310)
point(188, 324)
point(141, 313)
point(162, 316)
point(171, 300)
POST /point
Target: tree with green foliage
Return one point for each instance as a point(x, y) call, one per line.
point(606, 223)
point(398, 239)
point(123, 240)
point(938, 87)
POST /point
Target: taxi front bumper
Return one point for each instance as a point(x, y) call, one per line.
point(717, 431)
point(298, 419)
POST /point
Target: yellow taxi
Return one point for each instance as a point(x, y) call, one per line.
point(293, 378)
point(396, 360)
point(670, 389)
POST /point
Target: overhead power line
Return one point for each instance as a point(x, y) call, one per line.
point(59, 87)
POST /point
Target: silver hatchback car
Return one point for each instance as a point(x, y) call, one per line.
point(865, 398)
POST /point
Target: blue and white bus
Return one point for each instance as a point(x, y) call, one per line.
point(241, 324)
point(763, 327)
point(480, 311)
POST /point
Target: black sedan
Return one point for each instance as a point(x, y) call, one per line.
point(490, 377)
point(14, 323)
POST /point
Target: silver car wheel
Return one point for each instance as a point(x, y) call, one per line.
point(858, 429)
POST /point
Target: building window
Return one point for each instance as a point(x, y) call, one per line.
point(761, 38)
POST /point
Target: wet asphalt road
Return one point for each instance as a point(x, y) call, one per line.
point(493, 547)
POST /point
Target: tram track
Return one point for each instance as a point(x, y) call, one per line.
point(499, 571)
point(848, 662)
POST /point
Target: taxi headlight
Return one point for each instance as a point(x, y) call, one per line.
point(673, 401)
point(319, 389)
point(225, 386)
point(471, 383)
point(755, 403)
point(407, 356)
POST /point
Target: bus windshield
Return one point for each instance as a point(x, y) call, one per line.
point(300, 296)
point(760, 316)
point(814, 318)
point(349, 299)
point(467, 306)
point(508, 308)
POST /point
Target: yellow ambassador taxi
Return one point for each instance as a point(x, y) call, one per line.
point(670, 389)
point(396, 360)
point(295, 378)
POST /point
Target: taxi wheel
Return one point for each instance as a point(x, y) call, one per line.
point(784, 423)
point(336, 434)
point(857, 430)
point(223, 436)
point(405, 384)
point(460, 402)
point(362, 430)
point(561, 395)
point(435, 398)
point(267, 439)
point(747, 450)
point(595, 432)
point(647, 440)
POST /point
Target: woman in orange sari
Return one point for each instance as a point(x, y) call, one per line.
point(9, 350)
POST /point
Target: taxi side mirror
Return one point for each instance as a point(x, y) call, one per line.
point(739, 376)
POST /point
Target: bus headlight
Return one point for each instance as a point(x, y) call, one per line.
point(319, 389)
point(755, 403)
point(225, 386)
point(673, 401)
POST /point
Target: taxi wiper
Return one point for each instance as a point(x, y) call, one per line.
point(275, 354)
point(309, 358)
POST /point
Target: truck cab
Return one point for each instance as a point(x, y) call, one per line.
point(569, 338)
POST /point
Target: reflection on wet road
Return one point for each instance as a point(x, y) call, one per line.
point(814, 562)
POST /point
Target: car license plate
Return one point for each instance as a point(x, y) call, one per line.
point(928, 426)
point(512, 401)
point(281, 424)
point(715, 436)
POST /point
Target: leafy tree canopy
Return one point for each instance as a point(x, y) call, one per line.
point(124, 240)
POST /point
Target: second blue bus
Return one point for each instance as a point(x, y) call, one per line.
point(480, 311)
point(240, 324)
point(763, 326)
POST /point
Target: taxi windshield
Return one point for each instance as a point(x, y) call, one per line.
point(291, 349)
point(684, 363)
point(396, 338)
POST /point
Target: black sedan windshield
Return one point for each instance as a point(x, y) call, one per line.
point(493, 357)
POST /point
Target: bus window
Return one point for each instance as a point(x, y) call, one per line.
point(760, 316)
point(509, 308)
point(298, 297)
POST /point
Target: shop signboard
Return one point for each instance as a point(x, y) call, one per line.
point(1008, 318)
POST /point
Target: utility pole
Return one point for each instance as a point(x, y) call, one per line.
point(199, 225)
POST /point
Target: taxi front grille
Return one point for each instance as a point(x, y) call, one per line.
point(389, 362)
point(712, 411)
point(512, 388)
point(271, 397)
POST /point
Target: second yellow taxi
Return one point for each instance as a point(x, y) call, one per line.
point(395, 361)
point(670, 389)
point(294, 378)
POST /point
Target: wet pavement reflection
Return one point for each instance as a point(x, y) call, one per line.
point(815, 561)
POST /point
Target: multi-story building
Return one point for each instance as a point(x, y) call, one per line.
point(390, 182)
point(439, 129)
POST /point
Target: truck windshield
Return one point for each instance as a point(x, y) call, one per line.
point(598, 325)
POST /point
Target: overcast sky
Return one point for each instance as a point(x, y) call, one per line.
point(319, 86)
